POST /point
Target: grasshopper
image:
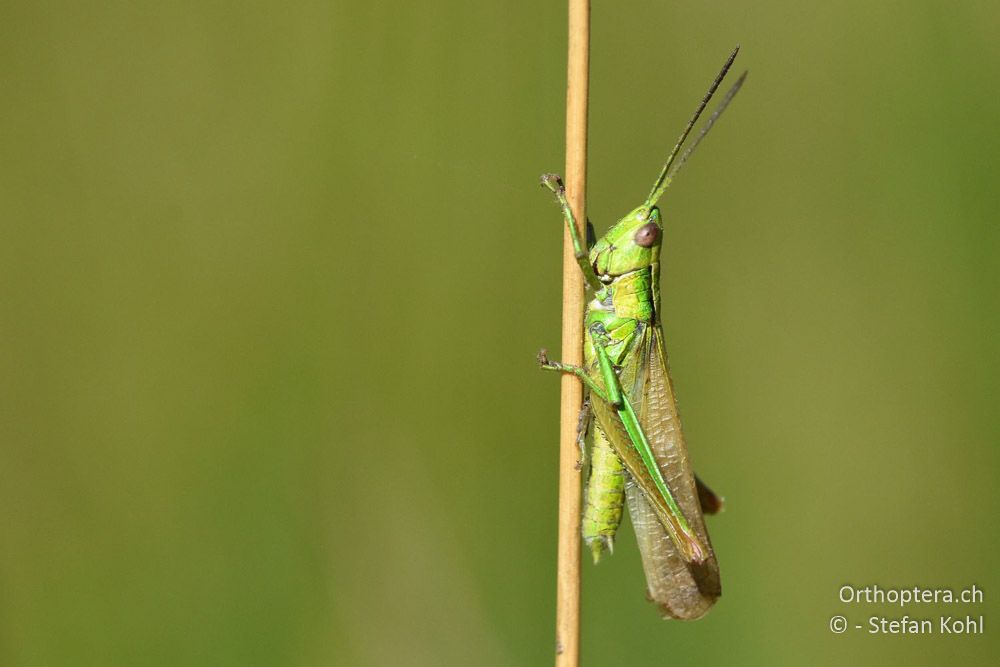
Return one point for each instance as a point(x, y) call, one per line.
point(638, 454)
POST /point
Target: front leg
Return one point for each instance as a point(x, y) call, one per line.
point(555, 184)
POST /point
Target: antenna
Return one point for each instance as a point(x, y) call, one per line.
point(662, 181)
point(730, 94)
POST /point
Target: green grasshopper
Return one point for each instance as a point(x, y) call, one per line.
point(638, 451)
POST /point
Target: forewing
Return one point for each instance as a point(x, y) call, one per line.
point(683, 590)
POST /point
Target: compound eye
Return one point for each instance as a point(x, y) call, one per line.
point(647, 235)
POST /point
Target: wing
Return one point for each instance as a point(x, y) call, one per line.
point(682, 589)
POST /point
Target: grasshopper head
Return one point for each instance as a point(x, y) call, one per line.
point(633, 243)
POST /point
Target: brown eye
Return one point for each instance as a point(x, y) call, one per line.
point(647, 235)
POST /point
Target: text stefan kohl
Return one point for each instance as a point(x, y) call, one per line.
point(945, 625)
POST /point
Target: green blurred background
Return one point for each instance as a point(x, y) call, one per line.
point(273, 278)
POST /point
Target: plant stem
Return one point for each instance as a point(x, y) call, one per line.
point(568, 580)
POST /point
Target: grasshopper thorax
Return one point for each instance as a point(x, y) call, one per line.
point(632, 244)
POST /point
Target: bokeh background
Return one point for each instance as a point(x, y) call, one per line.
point(272, 279)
